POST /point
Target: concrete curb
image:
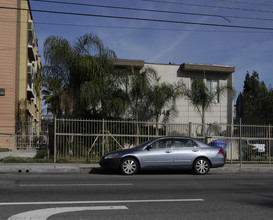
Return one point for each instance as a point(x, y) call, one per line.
point(52, 168)
point(244, 169)
point(46, 168)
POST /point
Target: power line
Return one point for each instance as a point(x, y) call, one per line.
point(138, 28)
point(158, 11)
point(244, 2)
point(133, 9)
point(143, 19)
point(208, 6)
point(143, 28)
point(249, 18)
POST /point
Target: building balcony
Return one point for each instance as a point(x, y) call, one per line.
point(31, 54)
point(31, 41)
point(30, 92)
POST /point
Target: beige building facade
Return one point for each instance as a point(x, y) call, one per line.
point(221, 112)
point(20, 69)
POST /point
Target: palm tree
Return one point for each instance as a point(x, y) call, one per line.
point(86, 75)
point(138, 90)
point(163, 96)
point(202, 99)
point(139, 87)
point(52, 91)
point(58, 55)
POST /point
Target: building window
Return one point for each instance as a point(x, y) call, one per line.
point(212, 86)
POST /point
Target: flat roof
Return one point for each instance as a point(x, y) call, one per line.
point(126, 62)
point(191, 67)
point(207, 67)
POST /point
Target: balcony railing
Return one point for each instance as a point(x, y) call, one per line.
point(31, 40)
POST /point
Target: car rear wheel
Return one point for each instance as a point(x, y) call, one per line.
point(129, 166)
point(201, 166)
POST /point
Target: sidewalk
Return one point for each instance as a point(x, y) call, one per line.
point(46, 168)
point(86, 168)
point(245, 168)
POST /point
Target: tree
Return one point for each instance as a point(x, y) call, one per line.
point(163, 96)
point(139, 87)
point(89, 86)
point(255, 96)
point(202, 98)
point(52, 91)
point(266, 110)
point(55, 72)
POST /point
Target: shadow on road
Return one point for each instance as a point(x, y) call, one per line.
point(100, 171)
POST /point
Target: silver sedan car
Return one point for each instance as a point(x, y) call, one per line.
point(166, 152)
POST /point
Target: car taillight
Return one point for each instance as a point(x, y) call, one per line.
point(221, 151)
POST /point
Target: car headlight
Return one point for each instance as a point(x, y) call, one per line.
point(111, 156)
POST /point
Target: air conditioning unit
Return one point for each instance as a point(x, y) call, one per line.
point(30, 69)
point(30, 25)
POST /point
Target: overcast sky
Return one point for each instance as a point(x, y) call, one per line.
point(225, 32)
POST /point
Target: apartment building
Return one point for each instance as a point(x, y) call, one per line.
point(20, 69)
point(213, 75)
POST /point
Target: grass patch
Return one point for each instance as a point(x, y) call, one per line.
point(24, 160)
point(69, 160)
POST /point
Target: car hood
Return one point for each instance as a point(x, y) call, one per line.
point(125, 151)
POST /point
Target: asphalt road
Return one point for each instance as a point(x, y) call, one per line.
point(153, 195)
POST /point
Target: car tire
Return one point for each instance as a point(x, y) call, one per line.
point(129, 166)
point(201, 166)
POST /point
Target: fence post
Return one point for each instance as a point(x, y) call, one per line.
point(231, 141)
point(269, 138)
point(240, 143)
point(102, 136)
point(167, 128)
point(55, 141)
point(190, 129)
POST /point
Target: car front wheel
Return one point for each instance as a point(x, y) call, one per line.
point(201, 166)
point(129, 166)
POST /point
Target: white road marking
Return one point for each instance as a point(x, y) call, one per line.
point(100, 202)
point(43, 214)
point(73, 184)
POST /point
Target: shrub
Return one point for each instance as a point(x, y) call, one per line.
point(41, 154)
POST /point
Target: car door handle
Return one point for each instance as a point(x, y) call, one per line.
point(168, 151)
point(196, 150)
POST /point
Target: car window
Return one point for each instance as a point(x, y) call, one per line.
point(162, 144)
point(184, 143)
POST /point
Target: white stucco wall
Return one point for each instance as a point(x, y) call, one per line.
point(218, 113)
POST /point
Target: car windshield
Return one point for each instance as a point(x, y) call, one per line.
point(142, 144)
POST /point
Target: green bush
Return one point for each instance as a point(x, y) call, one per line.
point(249, 153)
point(41, 154)
point(4, 150)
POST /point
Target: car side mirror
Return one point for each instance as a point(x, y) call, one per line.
point(149, 147)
